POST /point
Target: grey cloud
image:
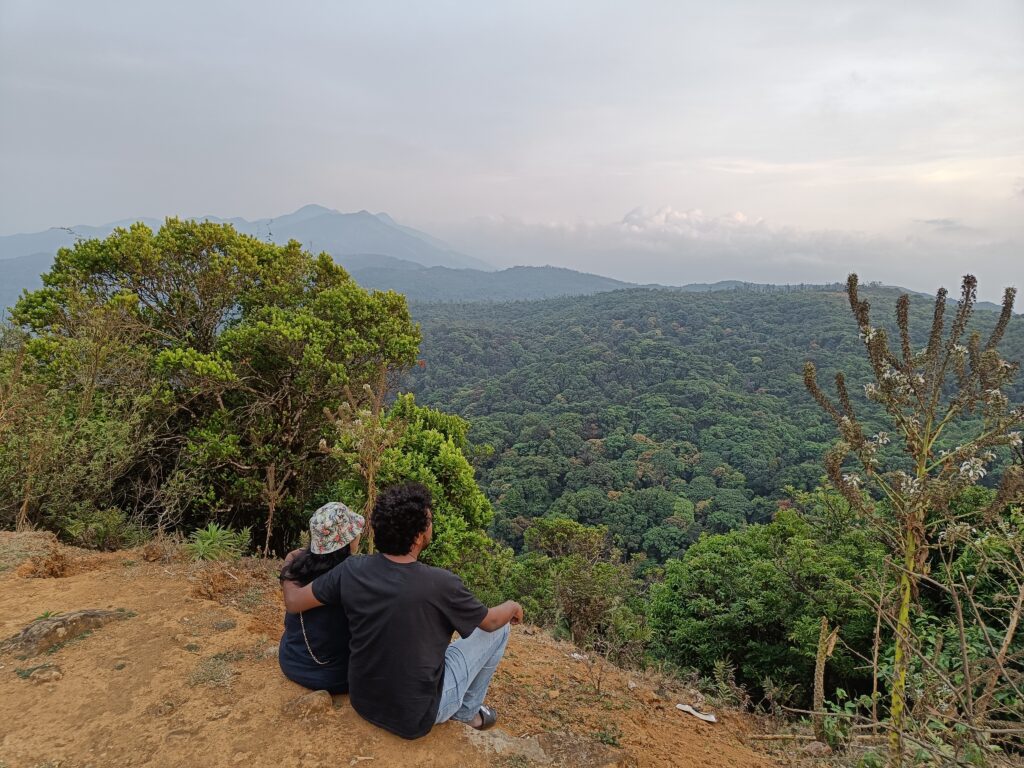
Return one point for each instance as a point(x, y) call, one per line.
point(948, 226)
point(826, 117)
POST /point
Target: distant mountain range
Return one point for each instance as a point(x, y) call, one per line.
point(316, 227)
point(377, 251)
point(462, 285)
point(355, 240)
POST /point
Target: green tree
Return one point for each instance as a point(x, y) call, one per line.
point(594, 595)
point(428, 447)
point(224, 351)
point(756, 596)
point(73, 423)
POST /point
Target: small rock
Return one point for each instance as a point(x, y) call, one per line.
point(632, 685)
point(270, 651)
point(46, 674)
point(554, 693)
point(162, 709)
point(309, 705)
point(695, 697)
point(505, 745)
point(120, 664)
point(817, 749)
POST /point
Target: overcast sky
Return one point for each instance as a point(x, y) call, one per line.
point(670, 141)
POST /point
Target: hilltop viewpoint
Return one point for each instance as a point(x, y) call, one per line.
point(175, 664)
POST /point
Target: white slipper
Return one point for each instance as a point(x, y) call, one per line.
point(707, 717)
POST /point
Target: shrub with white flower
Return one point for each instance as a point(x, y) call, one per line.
point(926, 395)
point(973, 469)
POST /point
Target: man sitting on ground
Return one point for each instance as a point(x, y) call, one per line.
point(404, 674)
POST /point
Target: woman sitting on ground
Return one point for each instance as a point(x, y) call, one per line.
point(314, 646)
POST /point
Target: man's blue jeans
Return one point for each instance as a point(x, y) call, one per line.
point(469, 665)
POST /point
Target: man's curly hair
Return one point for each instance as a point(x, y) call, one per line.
point(399, 516)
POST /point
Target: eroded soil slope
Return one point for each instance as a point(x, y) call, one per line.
point(187, 675)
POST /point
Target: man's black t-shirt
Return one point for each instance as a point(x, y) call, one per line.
point(401, 617)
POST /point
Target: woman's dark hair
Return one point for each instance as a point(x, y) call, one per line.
point(401, 513)
point(306, 566)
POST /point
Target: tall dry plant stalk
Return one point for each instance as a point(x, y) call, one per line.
point(364, 434)
point(827, 638)
point(953, 385)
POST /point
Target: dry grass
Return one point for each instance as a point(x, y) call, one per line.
point(162, 549)
point(16, 548)
point(52, 565)
point(216, 670)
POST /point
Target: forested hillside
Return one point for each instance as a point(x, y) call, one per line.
point(659, 413)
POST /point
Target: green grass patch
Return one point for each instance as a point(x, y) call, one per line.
point(609, 735)
point(25, 672)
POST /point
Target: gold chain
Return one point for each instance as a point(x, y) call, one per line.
point(308, 648)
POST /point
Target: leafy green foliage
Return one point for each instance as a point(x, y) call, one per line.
point(428, 448)
point(215, 542)
point(583, 588)
point(73, 421)
point(183, 376)
point(102, 529)
point(757, 595)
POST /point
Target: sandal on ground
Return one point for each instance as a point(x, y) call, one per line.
point(488, 717)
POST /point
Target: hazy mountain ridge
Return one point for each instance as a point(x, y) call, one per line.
point(316, 227)
point(442, 284)
point(356, 240)
point(381, 254)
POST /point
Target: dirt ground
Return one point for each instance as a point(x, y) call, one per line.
point(189, 676)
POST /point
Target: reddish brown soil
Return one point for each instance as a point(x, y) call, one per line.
point(190, 679)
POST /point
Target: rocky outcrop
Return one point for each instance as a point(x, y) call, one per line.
point(45, 633)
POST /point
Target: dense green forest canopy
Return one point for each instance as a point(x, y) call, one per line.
point(658, 413)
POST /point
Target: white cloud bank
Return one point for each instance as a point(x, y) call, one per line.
point(675, 247)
